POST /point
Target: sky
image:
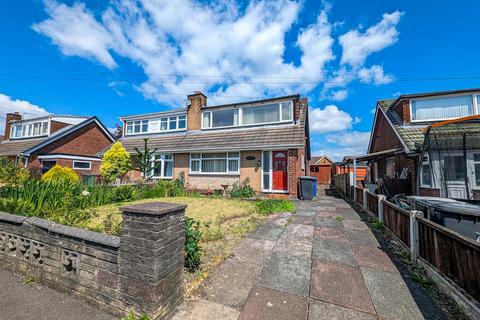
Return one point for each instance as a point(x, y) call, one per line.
point(114, 58)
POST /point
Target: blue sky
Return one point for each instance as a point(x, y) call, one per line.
point(115, 58)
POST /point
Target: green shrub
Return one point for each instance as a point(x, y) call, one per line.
point(269, 206)
point(242, 190)
point(124, 193)
point(131, 316)
point(16, 206)
point(57, 173)
point(193, 250)
point(11, 173)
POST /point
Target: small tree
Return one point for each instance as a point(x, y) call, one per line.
point(12, 173)
point(115, 162)
point(143, 160)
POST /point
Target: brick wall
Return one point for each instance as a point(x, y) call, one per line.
point(10, 117)
point(403, 110)
point(194, 111)
point(429, 192)
point(293, 171)
point(57, 125)
point(211, 182)
point(141, 270)
point(181, 166)
point(384, 138)
point(250, 169)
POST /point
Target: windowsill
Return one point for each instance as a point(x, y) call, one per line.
point(214, 173)
point(164, 178)
point(276, 191)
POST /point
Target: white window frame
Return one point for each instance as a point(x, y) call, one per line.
point(270, 173)
point(429, 163)
point(26, 129)
point(76, 161)
point(159, 120)
point(162, 165)
point(475, 109)
point(240, 116)
point(228, 158)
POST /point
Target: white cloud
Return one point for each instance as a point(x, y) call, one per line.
point(185, 45)
point(9, 105)
point(330, 119)
point(350, 139)
point(75, 30)
point(375, 75)
point(357, 46)
point(339, 95)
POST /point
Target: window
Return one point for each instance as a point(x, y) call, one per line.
point(455, 169)
point(426, 175)
point(82, 165)
point(137, 126)
point(219, 162)
point(162, 166)
point(47, 165)
point(266, 170)
point(441, 108)
point(25, 130)
point(262, 114)
point(476, 163)
point(182, 122)
point(220, 118)
point(268, 113)
point(157, 125)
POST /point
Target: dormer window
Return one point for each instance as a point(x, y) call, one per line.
point(29, 129)
point(168, 123)
point(248, 115)
point(443, 108)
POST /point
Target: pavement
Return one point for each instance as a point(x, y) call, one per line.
point(19, 301)
point(310, 265)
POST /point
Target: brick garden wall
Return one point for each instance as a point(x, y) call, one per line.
point(140, 270)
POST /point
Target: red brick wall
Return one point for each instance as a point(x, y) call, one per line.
point(384, 137)
point(403, 110)
point(10, 117)
point(293, 171)
point(56, 125)
point(429, 192)
point(87, 141)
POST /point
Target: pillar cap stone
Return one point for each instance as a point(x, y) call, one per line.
point(153, 208)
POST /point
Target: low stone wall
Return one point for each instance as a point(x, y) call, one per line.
point(140, 270)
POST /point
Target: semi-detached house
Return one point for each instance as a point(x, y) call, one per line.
point(211, 147)
point(70, 141)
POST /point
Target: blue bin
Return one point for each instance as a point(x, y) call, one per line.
point(315, 187)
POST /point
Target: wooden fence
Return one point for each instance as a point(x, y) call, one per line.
point(397, 220)
point(372, 203)
point(453, 255)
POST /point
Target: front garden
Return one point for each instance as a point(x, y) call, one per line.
point(214, 223)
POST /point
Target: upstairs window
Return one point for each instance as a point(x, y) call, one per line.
point(441, 108)
point(220, 118)
point(249, 115)
point(27, 130)
point(156, 125)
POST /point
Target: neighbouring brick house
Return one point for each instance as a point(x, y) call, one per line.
point(321, 168)
point(397, 140)
point(69, 141)
point(209, 147)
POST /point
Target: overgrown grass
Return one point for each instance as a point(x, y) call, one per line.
point(266, 207)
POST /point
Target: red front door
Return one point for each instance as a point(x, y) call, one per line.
point(280, 173)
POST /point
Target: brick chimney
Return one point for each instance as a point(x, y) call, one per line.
point(194, 110)
point(11, 117)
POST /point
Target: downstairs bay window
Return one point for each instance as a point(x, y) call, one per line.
point(162, 166)
point(216, 163)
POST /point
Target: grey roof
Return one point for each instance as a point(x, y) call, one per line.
point(15, 147)
point(411, 134)
point(253, 138)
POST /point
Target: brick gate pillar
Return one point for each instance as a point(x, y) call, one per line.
point(151, 258)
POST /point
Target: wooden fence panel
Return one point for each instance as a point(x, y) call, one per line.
point(398, 221)
point(372, 203)
point(359, 192)
point(452, 254)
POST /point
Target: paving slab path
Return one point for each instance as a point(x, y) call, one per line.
point(310, 265)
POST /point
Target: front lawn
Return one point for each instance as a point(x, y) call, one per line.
point(223, 223)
